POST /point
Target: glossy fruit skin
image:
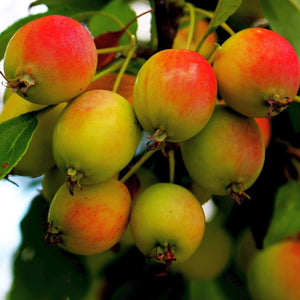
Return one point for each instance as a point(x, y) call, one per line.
point(264, 124)
point(208, 47)
point(175, 92)
point(167, 214)
point(230, 149)
point(97, 135)
point(58, 53)
point(211, 257)
point(92, 220)
point(274, 272)
point(263, 66)
point(38, 158)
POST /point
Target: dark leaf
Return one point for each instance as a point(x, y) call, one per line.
point(285, 222)
point(284, 18)
point(107, 40)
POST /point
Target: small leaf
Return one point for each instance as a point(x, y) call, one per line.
point(224, 9)
point(284, 18)
point(15, 135)
point(285, 221)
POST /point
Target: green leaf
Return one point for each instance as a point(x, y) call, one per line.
point(224, 9)
point(42, 272)
point(15, 135)
point(284, 18)
point(119, 10)
point(285, 221)
point(294, 112)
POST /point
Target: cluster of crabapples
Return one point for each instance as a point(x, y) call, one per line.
point(90, 134)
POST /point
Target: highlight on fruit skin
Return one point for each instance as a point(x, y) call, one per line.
point(92, 220)
point(167, 223)
point(174, 95)
point(264, 72)
point(95, 137)
point(49, 60)
point(274, 272)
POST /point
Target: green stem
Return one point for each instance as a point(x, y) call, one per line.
point(171, 164)
point(137, 165)
point(111, 69)
point(213, 55)
point(126, 62)
point(210, 15)
point(297, 99)
point(112, 49)
point(191, 10)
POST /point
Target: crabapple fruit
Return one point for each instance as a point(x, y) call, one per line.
point(38, 157)
point(211, 257)
point(258, 72)
point(95, 137)
point(50, 60)
point(167, 222)
point(92, 220)
point(174, 94)
point(227, 156)
point(274, 272)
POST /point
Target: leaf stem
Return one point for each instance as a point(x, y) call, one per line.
point(112, 68)
point(126, 62)
point(191, 10)
point(297, 99)
point(171, 155)
point(112, 49)
point(138, 164)
point(210, 15)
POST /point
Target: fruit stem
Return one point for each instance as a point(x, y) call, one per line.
point(297, 99)
point(112, 49)
point(111, 69)
point(53, 236)
point(171, 156)
point(126, 62)
point(21, 83)
point(137, 165)
point(163, 254)
point(277, 104)
point(191, 10)
point(157, 140)
point(213, 55)
point(73, 178)
point(236, 192)
point(210, 15)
